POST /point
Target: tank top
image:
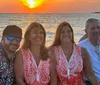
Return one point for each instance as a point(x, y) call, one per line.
point(69, 72)
point(33, 74)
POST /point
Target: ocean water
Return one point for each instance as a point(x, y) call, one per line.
point(49, 21)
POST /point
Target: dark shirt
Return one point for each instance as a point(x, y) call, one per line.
point(6, 68)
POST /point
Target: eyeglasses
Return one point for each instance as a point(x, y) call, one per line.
point(11, 38)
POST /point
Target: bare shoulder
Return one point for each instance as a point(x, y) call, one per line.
point(51, 51)
point(18, 55)
point(18, 62)
point(51, 48)
point(84, 52)
point(51, 54)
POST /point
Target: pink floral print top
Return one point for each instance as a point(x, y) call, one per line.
point(35, 75)
point(69, 72)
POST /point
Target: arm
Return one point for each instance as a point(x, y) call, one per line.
point(88, 68)
point(18, 68)
point(53, 76)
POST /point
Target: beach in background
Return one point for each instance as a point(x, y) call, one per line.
point(49, 21)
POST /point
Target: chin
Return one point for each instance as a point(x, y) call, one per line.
point(13, 50)
point(39, 43)
point(66, 41)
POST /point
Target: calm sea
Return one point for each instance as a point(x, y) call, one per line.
point(49, 21)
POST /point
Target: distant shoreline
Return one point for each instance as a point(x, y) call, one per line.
point(96, 12)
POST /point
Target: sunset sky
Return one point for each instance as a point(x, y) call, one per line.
point(51, 6)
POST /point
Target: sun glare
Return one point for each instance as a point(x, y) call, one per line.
point(32, 3)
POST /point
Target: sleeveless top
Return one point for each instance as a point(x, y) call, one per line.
point(33, 74)
point(94, 52)
point(69, 72)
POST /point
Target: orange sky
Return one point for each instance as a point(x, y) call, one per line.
point(51, 6)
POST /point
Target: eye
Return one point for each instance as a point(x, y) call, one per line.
point(92, 28)
point(98, 27)
point(63, 32)
point(68, 31)
point(41, 32)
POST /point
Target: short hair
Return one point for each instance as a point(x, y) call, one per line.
point(91, 20)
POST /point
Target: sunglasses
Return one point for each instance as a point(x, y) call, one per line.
point(11, 38)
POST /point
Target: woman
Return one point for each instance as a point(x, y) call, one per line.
point(33, 64)
point(71, 58)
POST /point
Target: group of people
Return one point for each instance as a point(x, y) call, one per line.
point(63, 63)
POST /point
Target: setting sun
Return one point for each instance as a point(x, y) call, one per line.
point(32, 3)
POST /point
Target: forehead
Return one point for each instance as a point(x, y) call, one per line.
point(65, 28)
point(94, 24)
point(36, 29)
point(14, 35)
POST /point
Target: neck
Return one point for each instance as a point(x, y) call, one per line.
point(35, 49)
point(67, 49)
point(67, 46)
point(94, 43)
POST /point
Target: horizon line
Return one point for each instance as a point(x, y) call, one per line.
point(48, 13)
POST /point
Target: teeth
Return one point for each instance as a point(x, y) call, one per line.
point(96, 34)
point(38, 39)
point(66, 37)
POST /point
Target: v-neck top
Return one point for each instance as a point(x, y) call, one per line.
point(33, 74)
point(69, 72)
point(67, 60)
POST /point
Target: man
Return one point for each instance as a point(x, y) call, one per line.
point(10, 42)
point(91, 43)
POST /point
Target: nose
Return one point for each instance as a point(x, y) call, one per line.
point(66, 33)
point(39, 34)
point(97, 30)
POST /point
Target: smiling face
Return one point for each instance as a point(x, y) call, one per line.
point(66, 35)
point(10, 46)
point(93, 32)
point(36, 36)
